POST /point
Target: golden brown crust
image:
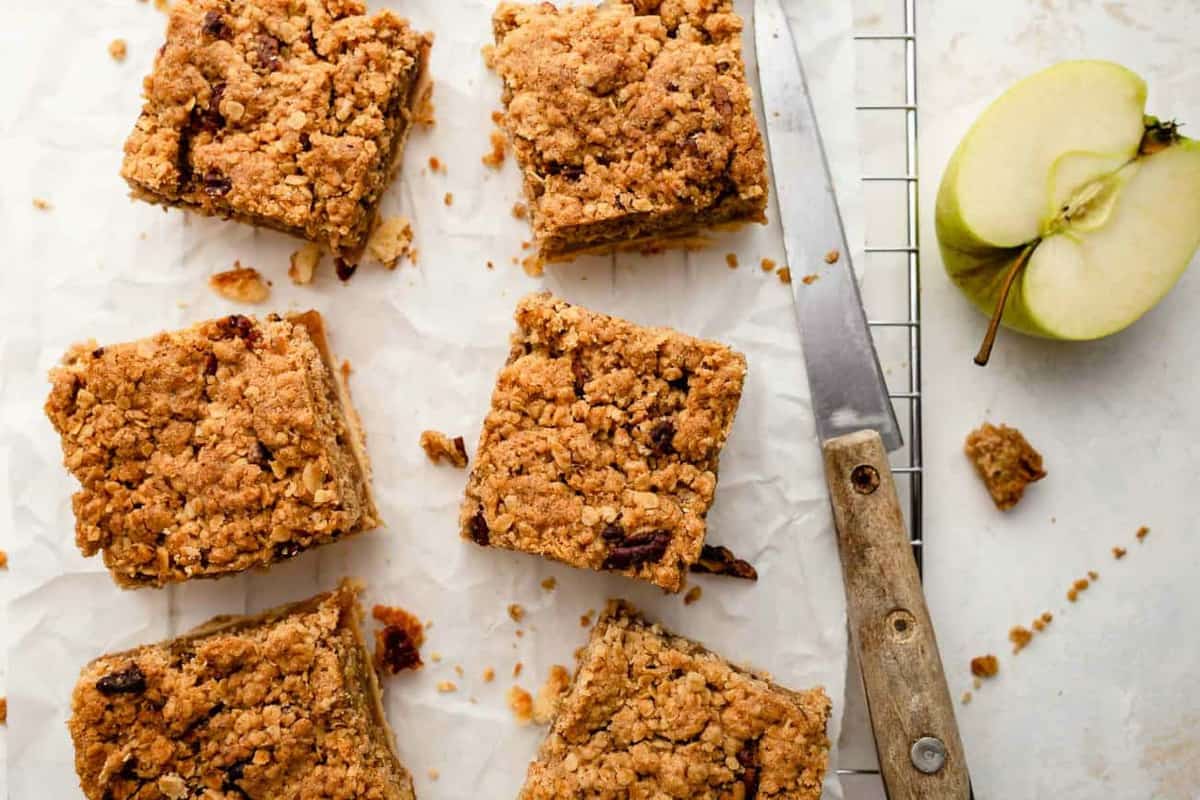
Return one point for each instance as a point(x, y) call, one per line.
point(288, 115)
point(653, 714)
point(601, 448)
point(630, 121)
point(208, 451)
point(1005, 461)
point(281, 705)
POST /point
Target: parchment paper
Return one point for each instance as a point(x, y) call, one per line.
point(425, 343)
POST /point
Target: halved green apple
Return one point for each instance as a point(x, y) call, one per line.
point(1066, 212)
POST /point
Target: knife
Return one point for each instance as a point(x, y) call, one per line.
point(916, 736)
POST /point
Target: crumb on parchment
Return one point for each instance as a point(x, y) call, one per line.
point(533, 265)
point(494, 157)
point(520, 210)
point(1142, 533)
point(392, 240)
point(437, 165)
point(785, 275)
point(448, 199)
point(1005, 461)
point(1020, 637)
point(832, 257)
point(398, 642)
point(3, 559)
point(767, 265)
point(516, 670)
point(731, 260)
point(520, 702)
point(516, 611)
point(985, 666)
point(424, 113)
point(117, 50)
point(966, 698)
point(489, 674)
point(1118, 552)
point(550, 584)
point(693, 594)
point(42, 204)
point(439, 446)
point(434, 774)
point(545, 706)
point(303, 263)
point(445, 687)
point(809, 280)
point(240, 284)
point(3, 710)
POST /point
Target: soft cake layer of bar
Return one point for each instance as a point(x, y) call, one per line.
point(281, 706)
point(283, 114)
point(208, 451)
point(601, 447)
point(650, 714)
point(631, 121)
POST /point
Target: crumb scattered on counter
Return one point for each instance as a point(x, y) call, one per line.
point(3, 559)
point(240, 284)
point(585, 620)
point(1093, 575)
point(162, 5)
point(809, 280)
point(3, 710)
point(1020, 636)
point(966, 698)
point(520, 210)
point(985, 666)
point(42, 204)
point(434, 774)
point(490, 265)
point(436, 164)
point(517, 667)
point(459, 671)
point(1118, 552)
point(392, 240)
point(1142, 533)
point(1041, 622)
point(414, 255)
point(521, 704)
point(1005, 461)
point(533, 265)
point(550, 694)
point(448, 199)
point(977, 683)
point(516, 611)
point(518, 633)
point(719, 560)
point(439, 446)
point(550, 584)
point(494, 158)
point(435, 657)
point(693, 594)
point(303, 264)
point(445, 687)
point(398, 642)
point(117, 50)
point(785, 275)
point(1077, 587)
point(731, 260)
point(832, 257)
point(489, 674)
point(767, 265)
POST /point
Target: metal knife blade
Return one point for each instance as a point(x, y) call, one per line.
point(848, 390)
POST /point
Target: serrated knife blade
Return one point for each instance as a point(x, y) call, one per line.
point(848, 390)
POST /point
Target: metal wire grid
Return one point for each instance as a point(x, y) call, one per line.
point(910, 249)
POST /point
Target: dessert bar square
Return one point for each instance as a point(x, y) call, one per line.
point(283, 114)
point(602, 443)
point(281, 705)
point(651, 714)
point(208, 451)
point(631, 121)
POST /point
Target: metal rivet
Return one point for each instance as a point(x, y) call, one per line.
point(928, 754)
point(865, 479)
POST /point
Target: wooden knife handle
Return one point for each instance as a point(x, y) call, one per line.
point(911, 711)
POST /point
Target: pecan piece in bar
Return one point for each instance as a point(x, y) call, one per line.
point(602, 444)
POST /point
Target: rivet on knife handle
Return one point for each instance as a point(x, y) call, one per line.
point(916, 735)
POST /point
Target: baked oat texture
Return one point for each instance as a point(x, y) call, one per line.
point(651, 714)
point(1005, 461)
point(601, 447)
point(281, 706)
point(208, 451)
point(632, 121)
point(283, 113)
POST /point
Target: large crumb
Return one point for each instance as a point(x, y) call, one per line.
point(550, 694)
point(304, 263)
point(42, 204)
point(516, 611)
point(241, 285)
point(392, 240)
point(1020, 637)
point(1078, 586)
point(117, 49)
point(693, 594)
point(985, 666)
point(494, 158)
point(438, 446)
point(1005, 461)
point(785, 275)
point(520, 702)
point(398, 642)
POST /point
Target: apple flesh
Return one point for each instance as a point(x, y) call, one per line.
point(1066, 208)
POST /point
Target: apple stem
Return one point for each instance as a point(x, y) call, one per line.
point(989, 339)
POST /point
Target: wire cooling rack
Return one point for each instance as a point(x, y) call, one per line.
point(886, 50)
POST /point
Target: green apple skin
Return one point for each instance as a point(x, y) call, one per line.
point(977, 260)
